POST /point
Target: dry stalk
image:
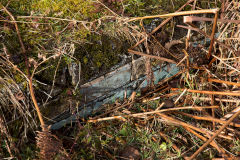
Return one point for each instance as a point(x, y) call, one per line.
point(151, 56)
point(208, 118)
point(164, 48)
point(216, 99)
point(48, 145)
point(200, 19)
point(178, 122)
point(225, 82)
point(183, 13)
point(27, 66)
point(213, 33)
point(226, 64)
point(194, 28)
point(215, 135)
point(147, 113)
point(214, 144)
point(162, 24)
point(208, 92)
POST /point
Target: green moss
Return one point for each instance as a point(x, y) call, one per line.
point(73, 9)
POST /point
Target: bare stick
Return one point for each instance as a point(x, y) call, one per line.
point(178, 122)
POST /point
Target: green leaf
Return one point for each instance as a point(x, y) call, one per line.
point(163, 146)
point(123, 131)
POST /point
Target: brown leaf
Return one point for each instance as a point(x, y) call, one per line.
point(130, 153)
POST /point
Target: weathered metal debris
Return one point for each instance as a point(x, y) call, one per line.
point(114, 85)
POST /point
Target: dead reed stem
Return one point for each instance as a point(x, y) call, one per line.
point(208, 118)
point(147, 113)
point(213, 143)
point(178, 122)
point(209, 92)
point(183, 13)
point(164, 136)
point(217, 99)
point(215, 135)
point(213, 34)
point(195, 28)
point(151, 56)
point(225, 82)
point(199, 19)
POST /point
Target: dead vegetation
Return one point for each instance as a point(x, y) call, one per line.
point(191, 115)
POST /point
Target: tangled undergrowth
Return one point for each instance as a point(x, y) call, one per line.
point(50, 48)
